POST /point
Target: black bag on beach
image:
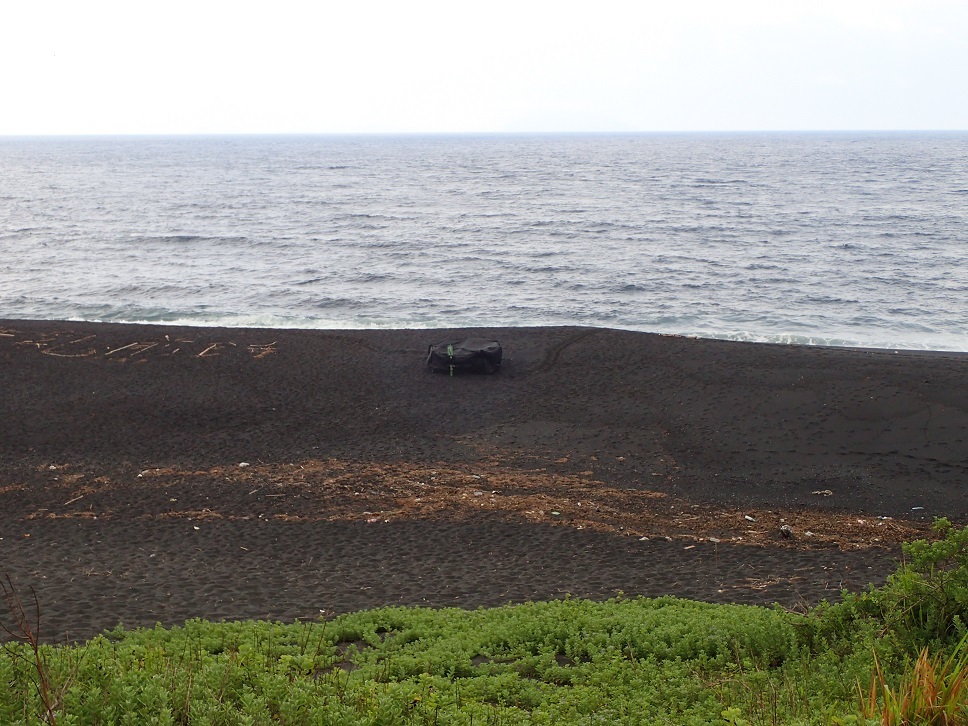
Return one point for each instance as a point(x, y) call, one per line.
point(471, 355)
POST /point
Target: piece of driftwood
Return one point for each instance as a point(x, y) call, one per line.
point(123, 347)
point(88, 354)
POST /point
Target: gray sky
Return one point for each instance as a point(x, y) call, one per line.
point(220, 66)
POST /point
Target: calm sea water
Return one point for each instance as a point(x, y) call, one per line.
point(836, 239)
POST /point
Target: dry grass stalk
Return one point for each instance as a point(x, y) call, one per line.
point(934, 692)
point(27, 630)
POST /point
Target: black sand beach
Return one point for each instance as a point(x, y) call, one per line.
point(153, 474)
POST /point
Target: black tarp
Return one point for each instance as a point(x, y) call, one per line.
point(470, 355)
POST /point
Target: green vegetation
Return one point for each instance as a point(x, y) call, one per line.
point(892, 655)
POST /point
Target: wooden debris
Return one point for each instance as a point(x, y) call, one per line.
point(88, 354)
point(118, 350)
point(261, 351)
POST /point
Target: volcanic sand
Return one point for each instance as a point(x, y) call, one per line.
point(154, 474)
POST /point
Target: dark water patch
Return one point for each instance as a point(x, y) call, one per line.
point(185, 239)
point(367, 278)
point(333, 303)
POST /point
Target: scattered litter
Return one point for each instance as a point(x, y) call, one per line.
point(196, 527)
point(690, 547)
point(748, 518)
point(643, 539)
point(915, 509)
point(715, 540)
point(787, 531)
point(243, 464)
point(808, 533)
point(823, 493)
point(557, 514)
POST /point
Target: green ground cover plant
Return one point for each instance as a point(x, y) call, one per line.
point(625, 661)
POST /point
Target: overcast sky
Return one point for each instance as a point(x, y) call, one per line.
point(335, 66)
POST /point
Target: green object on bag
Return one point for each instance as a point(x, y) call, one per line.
point(470, 355)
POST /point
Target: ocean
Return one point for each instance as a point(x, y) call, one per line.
point(844, 239)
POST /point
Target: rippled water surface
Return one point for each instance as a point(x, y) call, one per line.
point(842, 239)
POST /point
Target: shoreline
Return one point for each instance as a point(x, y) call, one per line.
point(185, 324)
point(123, 444)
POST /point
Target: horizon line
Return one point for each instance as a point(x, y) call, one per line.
point(660, 132)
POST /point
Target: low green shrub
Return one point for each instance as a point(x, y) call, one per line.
point(924, 603)
point(567, 661)
point(651, 661)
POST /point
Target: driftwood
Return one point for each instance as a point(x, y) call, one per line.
point(88, 354)
point(261, 351)
point(55, 347)
point(118, 350)
point(138, 346)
